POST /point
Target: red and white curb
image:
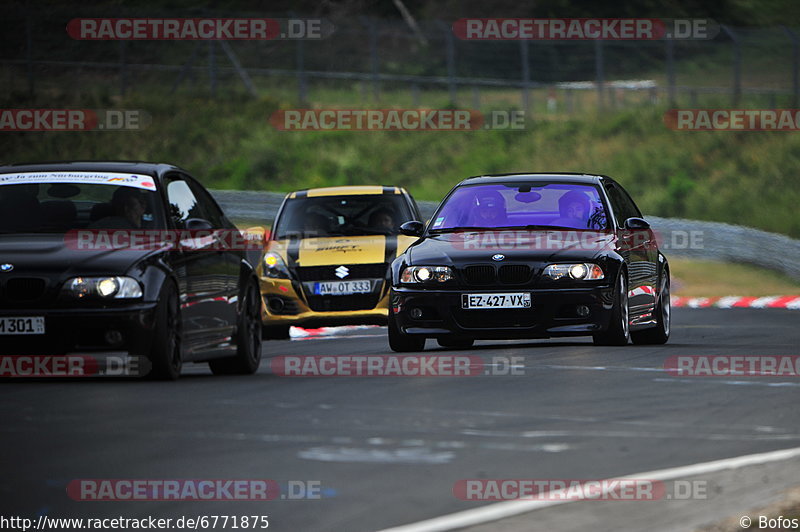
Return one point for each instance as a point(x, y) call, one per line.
point(788, 302)
point(299, 332)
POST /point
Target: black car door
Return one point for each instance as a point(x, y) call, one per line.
point(229, 244)
point(206, 316)
point(637, 247)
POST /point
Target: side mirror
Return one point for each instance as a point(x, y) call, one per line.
point(412, 228)
point(636, 223)
point(198, 224)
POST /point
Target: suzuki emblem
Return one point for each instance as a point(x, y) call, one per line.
point(498, 257)
point(342, 272)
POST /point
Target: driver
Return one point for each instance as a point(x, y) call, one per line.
point(128, 207)
point(490, 209)
point(315, 224)
point(574, 210)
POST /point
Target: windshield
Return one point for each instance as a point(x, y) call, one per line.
point(519, 205)
point(35, 205)
point(342, 216)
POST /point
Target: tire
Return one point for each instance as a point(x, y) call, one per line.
point(275, 332)
point(660, 333)
point(455, 342)
point(166, 355)
point(248, 338)
point(618, 332)
point(400, 342)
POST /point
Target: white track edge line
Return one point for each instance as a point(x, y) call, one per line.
point(502, 510)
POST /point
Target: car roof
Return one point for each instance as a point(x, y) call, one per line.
point(561, 177)
point(127, 167)
point(349, 190)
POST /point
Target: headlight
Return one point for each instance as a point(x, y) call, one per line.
point(426, 274)
point(581, 271)
point(103, 287)
point(274, 266)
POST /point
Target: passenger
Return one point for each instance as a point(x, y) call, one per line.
point(382, 220)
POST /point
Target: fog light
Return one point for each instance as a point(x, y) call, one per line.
point(113, 337)
point(582, 311)
point(416, 313)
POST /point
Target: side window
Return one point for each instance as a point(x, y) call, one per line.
point(182, 202)
point(207, 204)
point(622, 204)
point(630, 206)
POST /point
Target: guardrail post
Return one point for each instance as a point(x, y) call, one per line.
point(737, 64)
point(415, 95)
point(795, 66)
point(476, 98)
point(670, 44)
point(212, 68)
point(450, 48)
point(600, 75)
point(122, 71)
point(302, 80)
point(526, 75)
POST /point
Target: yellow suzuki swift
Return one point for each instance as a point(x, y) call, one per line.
point(327, 257)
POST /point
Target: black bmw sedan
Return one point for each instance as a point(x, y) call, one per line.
point(531, 256)
point(126, 259)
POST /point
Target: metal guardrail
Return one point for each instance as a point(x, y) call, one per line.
point(677, 237)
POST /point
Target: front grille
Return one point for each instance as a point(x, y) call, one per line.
point(25, 289)
point(335, 303)
point(479, 274)
point(514, 274)
point(328, 273)
point(496, 318)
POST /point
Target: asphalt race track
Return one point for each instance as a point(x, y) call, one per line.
point(387, 451)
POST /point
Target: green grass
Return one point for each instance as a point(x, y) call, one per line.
point(704, 278)
point(746, 178)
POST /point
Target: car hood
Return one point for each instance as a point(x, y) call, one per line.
point(50, 255)
point(514, 245)
point(331, 251)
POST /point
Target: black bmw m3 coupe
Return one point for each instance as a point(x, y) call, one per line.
point(130, 259)
point(531, 256)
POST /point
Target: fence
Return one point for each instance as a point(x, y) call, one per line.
point(373, 58)
point(714, 241)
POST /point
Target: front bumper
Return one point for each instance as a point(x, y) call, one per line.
point(297, 312)
point(553, 313)
point(84, 331)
